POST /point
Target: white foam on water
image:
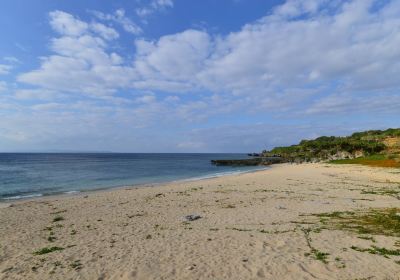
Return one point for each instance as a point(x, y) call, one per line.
point(71, 192)
point(221, 174)
point(22, 196)
point(208, 176)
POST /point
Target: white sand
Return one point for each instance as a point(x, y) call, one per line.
point(249, 229)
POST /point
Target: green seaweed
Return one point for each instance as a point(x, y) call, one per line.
point(47, 250)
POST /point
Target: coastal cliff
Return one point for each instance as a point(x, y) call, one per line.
point(372, 145)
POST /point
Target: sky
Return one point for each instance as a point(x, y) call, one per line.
point(194, 75)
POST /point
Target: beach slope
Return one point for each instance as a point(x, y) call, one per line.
point(289, 222)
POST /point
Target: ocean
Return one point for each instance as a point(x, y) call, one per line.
point(24, 175)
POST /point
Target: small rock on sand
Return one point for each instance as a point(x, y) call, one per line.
point(192, 217)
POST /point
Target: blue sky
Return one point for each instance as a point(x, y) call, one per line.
point(194, 76)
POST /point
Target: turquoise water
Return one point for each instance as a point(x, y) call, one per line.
point(30, 175)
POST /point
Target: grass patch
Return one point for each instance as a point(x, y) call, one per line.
point(47, 250)
point(240, 229)
point(51, 238)
point(195, 189)
point(320, 256)
point(340, 263)
point(375, 221)
point(229, 206)
point(317, 254)
point(370, 238)
point(377, 251)
point(374, 160)
point(383, 191)
point(76, 265)
point(58, 219)
point(58, 212)
point(335, 214)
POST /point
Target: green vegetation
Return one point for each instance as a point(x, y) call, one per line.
point(229, 206)
point(379, 160)
point(58, 219)
point(47, 250)
point(59, 212)
point(361, 147)
point(239, 229)
point(377, 251)
point(374, 134)
point(320, 256)
point(76, 265)
point(370, 238)
point(351, 161)
point(374, 221)
point(317, 254)
point(51, 238)
point(335, 214)
point(384, 191)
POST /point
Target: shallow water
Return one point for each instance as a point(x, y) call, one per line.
point(28, 175)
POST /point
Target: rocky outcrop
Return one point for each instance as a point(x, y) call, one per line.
point(248, 162)
point(341, 155)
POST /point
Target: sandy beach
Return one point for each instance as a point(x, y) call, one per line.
point(272, 224)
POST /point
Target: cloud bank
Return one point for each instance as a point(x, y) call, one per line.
point(304, 58)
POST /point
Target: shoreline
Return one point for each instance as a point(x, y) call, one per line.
point(272, 224)
point(5, 202)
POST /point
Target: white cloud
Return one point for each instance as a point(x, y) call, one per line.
point(12, 59)
point(351, 48)
point(66, 24)
point(191, 145)
point(301, 50)
point(77, 74)
point(81, 63)
point(3, 86)
point(154, 6)
point(15, 136)
point(257, 137)
point(294, 8)
point(162, 3)
point(36, 94)
point(143, 12)
point(5, 69)
point(47, 106)
point(120, 18)
point(105, 31)
point(382, 103)
point(305, 61)
point(175, 58)
point(147, 99)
